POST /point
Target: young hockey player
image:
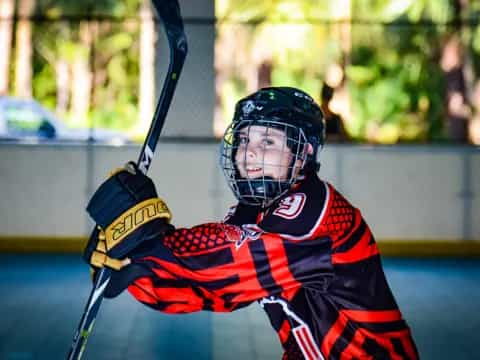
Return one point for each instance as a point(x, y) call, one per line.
point(292, 243)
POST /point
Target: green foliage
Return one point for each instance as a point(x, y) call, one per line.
point(396, 88)
point(44, 86)
point(119, 115)
point(112, 57)
point(395, 84)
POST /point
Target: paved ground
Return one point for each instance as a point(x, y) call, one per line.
point(42, 298)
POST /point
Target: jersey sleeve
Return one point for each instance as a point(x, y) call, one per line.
point(201, 268)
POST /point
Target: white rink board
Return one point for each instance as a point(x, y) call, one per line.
point(414, 192)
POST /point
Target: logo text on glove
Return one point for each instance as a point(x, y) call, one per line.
point(133, 218)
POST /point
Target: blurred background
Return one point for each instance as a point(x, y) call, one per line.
point(398, 81)
point(395, 71)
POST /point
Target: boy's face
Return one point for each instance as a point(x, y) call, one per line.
point(263, 151)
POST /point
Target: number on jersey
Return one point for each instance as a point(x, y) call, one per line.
point(290, 207)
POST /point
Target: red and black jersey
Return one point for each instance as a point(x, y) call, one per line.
point(311, 262)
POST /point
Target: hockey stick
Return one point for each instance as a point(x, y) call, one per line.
point(169, 12)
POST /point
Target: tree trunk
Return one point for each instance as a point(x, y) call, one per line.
point(24, 51)
point(264, 76)
point(62, 77)
point(335, 73)
point(82, 77)
point(452, 63)
point(6, 26)
point(147, 68)
point(231, 61)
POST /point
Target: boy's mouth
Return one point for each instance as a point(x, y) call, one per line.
point(253, 170)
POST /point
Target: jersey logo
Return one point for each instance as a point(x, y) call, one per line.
point(240, 235)
point(291, 206)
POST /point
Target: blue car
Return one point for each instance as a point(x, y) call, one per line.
point(25, 120)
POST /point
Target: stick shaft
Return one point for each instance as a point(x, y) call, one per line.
point(169, 12)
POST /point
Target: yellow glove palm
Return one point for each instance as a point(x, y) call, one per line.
point(99, 257)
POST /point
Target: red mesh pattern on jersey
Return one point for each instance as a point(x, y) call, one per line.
point(198, 238)
point(339, 217)
point(292, 351)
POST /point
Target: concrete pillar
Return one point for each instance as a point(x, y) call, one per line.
point(191, 113)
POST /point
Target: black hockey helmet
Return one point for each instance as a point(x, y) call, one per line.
point(288, 109)
point(286, 105)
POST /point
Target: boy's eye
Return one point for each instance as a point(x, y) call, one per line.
point(243, 140)
point(268, 141)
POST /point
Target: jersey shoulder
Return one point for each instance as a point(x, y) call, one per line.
point(340, 215)
point(299, 213)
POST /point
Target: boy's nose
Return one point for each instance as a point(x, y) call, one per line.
point(252, 151)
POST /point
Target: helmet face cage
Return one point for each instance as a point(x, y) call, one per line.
point(262, 189)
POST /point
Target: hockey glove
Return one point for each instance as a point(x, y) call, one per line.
point(128, 213)
point(99, 257)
